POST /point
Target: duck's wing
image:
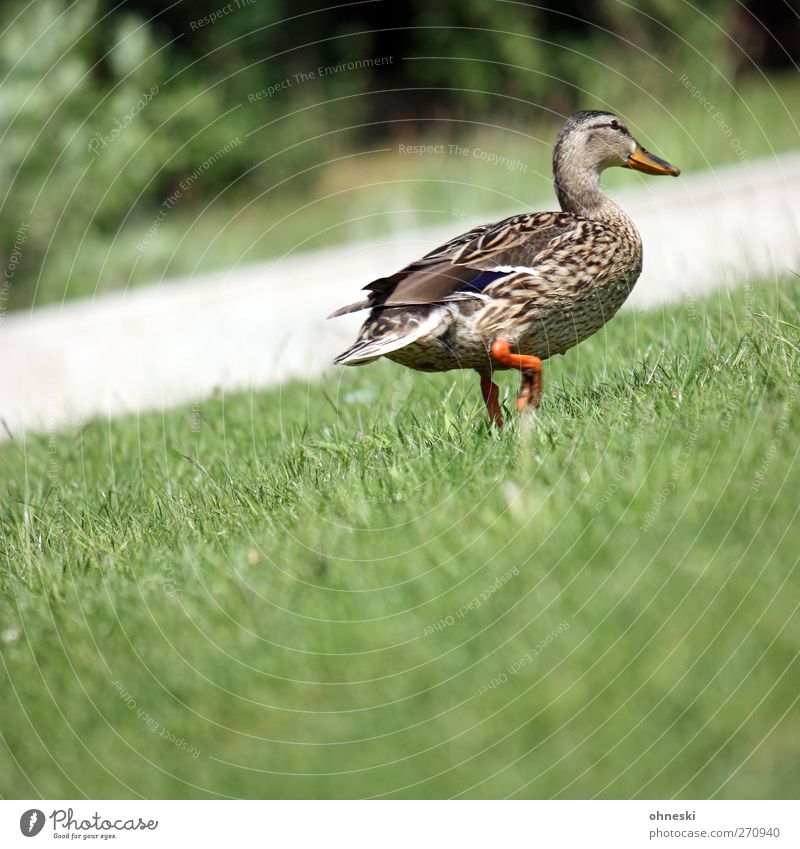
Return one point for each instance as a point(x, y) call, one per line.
point(462, 268)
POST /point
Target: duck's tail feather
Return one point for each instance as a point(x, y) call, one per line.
point(389, 331)
point(361, 305)
point(356, 355)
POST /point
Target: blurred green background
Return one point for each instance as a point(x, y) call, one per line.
point(141, 142)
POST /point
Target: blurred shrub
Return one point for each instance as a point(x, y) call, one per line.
point(90, 137)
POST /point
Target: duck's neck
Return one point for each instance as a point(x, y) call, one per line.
point(578, 190)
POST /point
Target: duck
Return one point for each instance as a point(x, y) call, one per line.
point(511, 294)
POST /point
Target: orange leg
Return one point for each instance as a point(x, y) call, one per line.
point(491, 395)
point(530, 387)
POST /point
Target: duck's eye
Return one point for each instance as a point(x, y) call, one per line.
point(614, 124)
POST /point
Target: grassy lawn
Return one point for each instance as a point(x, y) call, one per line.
point(357, 588)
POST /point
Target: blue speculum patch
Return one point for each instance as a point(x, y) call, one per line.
point(484, 279)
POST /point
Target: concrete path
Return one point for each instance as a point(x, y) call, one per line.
point(158, 346)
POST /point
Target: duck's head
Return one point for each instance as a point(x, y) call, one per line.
point(588, 143)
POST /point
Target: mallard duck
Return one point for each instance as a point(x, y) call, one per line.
point(511, 294)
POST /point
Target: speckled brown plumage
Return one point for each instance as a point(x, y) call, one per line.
point(541, 281)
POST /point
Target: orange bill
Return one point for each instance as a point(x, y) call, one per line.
point(643, 160)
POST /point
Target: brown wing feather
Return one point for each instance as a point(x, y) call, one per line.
point(516, 241)
point(443, 274)
point(428, 283)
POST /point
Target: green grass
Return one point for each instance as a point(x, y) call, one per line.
point(378, 190)
point(276, 579)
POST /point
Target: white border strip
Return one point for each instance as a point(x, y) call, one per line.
point(400, 825)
